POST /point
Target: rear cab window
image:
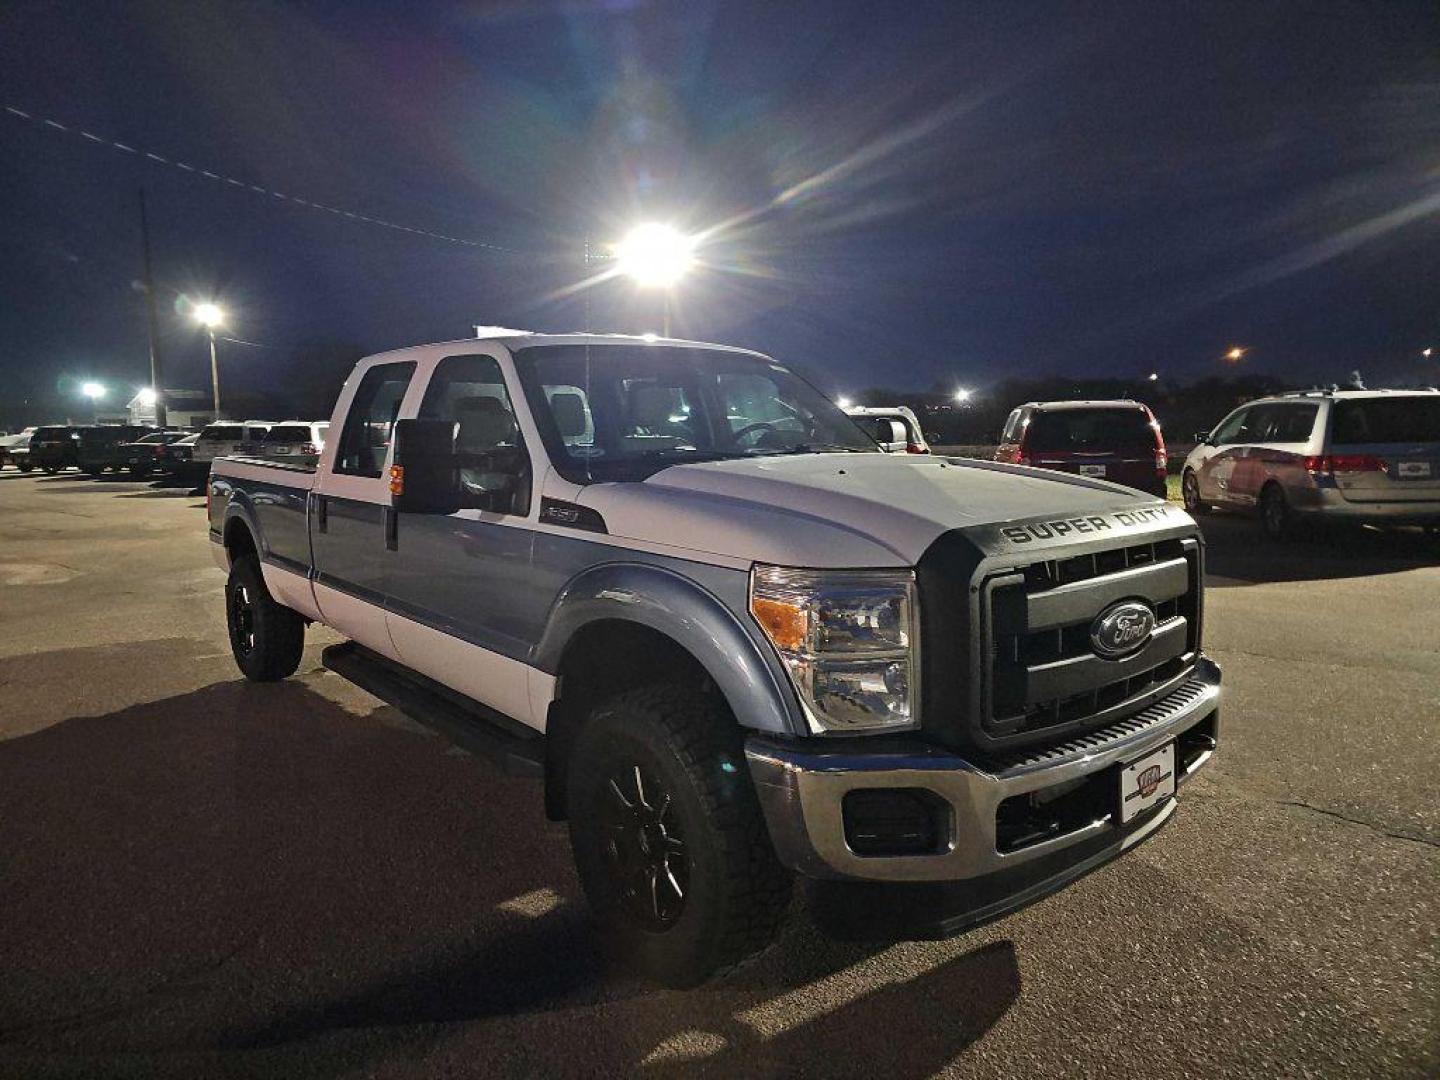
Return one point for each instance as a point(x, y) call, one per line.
point(370, 423)
point(222, 433)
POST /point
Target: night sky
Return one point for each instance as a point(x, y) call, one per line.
point(948, 192)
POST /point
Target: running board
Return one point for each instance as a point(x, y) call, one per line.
point(465, 722)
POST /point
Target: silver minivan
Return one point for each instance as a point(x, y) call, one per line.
point(1362, 456)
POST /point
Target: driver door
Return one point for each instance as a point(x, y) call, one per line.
point(1217, 471)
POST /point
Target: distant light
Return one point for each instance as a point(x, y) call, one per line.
point(1154, 376)
point(650, 338)
point(146, 396)
point(655, 256)
point(1426, 353)
point(209, 315)
point(1235, 354)
point(93, 390)
point(962, 395)
point(844, 402)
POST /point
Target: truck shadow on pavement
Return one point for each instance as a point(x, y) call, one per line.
point(1237, 554)
point(246, 873)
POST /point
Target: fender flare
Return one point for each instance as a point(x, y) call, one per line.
point(754, 685)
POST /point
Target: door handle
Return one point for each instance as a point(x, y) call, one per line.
point(322, 513)
point(392, 539)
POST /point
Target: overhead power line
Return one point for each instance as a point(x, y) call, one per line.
point(256, 189)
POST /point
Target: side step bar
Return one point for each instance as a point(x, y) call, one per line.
point(468, 724)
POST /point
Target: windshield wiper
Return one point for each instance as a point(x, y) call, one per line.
point(815, 448)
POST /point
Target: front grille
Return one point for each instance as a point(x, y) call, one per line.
point(1042, 677)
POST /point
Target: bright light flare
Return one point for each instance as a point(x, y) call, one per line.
point(146, 396)
point(1236, 353)
point(1154, 376)
point(655, 256)
point(962, 395)
point(209, 315)
point(844, 402)
point(93, 390)
point(1426, 353)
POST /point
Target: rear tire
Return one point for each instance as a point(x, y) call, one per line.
point(26, 467)
point(139, 472)
point(94, 472)
point(266, 638)
point(1276, 520)
point(1190, 492)
point(49, 470)
point(668, 836)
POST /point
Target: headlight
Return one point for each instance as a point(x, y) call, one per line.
point(848, 639)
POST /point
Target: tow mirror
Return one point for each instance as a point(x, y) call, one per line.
point(425, 478)
point(1202, 438)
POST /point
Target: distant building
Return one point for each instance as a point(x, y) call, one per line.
point(183, 408)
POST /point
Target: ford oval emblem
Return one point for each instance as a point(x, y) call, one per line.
point(1122, 628)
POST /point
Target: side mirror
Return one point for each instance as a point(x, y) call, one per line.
point(1202, 438)
point(425, 478)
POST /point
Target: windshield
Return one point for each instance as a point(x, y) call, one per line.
point(622, 412)
point(1414, 419)
point(1090, 429)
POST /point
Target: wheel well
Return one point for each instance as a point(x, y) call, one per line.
point(605, 658)
point(238, 540)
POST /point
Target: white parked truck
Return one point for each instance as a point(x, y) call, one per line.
point(733, 640)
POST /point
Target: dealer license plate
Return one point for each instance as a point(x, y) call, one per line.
point(1147, 781)
point(1413, 470)
point(1092, 470)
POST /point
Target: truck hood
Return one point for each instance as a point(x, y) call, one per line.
point(842, 510)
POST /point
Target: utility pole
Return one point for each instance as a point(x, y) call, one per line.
point(155, 363)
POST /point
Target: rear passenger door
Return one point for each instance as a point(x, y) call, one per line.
point(350, 511)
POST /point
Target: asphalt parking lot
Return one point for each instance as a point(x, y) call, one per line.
point(202, 877)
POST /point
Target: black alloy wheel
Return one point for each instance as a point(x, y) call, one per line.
point(645, 852)
point(242, 620)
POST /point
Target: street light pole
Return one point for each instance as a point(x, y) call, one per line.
point(214, 375)
point(210, 316)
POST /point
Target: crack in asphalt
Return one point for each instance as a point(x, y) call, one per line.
point(1426, 840)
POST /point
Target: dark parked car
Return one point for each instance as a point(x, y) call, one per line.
point(53, 447)
point(176, 458)
point(142, 457)
point(98, 447)
point(1119, 441)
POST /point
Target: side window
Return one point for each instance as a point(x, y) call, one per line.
point(365, 439)
point(470, 390)
point(1291, 423)
point(1234, 429)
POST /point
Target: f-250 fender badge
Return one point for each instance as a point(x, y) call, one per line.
point(1090, 523)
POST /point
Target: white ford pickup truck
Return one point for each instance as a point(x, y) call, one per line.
point(735, 641)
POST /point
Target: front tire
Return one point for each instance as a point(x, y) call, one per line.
point(1190, 492)
point(266, 638)
point(25, 467)
point(668, 836)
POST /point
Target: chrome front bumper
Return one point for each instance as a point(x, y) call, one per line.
point(802, 788)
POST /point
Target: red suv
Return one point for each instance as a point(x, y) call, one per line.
point(1111, 440)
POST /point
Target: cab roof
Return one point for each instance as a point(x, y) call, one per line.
point(525, 339)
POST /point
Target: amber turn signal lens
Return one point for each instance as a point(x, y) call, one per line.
point(397, 479)
point(785, 623)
